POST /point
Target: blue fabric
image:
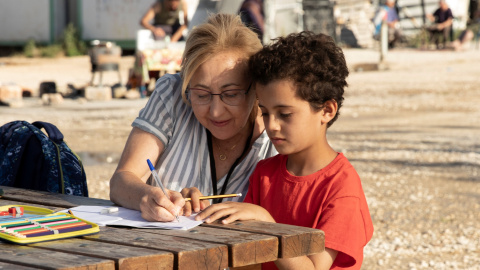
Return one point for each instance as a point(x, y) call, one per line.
point(391, 14)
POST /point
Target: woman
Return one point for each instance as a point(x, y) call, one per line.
point(201, 128)
point(166, 19)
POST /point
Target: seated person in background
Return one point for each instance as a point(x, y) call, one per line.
point(388, 14)
point(166, 19)
point(442, 19)
point(463, 40)
point(300, 81)
point(251, 12)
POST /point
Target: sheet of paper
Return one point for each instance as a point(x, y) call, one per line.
point(130, 218)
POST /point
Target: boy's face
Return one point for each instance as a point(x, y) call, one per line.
point(291, 124)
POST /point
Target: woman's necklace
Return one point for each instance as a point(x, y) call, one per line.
point(223, 157)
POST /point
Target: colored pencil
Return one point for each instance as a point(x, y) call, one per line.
point(216, 197)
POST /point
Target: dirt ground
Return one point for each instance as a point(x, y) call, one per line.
point(410, 130)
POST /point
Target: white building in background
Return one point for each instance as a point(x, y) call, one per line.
point(118, 20)
point(348, 21)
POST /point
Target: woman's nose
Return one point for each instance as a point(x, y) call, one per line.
point(217, 107)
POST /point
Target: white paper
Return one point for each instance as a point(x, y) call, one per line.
point(130, 218)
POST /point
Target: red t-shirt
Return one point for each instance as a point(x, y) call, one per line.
point(331, 200)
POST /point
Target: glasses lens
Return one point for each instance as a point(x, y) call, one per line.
point(197, 96)
point(233, 97)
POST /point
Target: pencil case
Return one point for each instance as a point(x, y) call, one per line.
point(23, 224)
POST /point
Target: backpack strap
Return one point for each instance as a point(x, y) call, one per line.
point(53, 132)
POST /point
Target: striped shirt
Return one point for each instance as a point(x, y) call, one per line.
point(185, 162)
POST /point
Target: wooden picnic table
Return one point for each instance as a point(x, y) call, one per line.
point(241, 245)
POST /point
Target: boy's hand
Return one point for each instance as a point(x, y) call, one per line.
point(234, 211)
point(195, 204)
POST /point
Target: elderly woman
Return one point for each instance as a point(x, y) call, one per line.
point(201, 128)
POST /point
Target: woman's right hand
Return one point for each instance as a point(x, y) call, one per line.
point(195, 204)
point(155, 206)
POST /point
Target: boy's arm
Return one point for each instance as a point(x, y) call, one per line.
point(234, 211)
point(319, 261)
point(246, 211)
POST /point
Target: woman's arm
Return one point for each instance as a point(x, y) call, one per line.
point(128, 186)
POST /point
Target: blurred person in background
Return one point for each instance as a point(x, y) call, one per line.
point(466, 36)
point(166, 19)
point(388, 14)
point(251, 12)
point(442, 19)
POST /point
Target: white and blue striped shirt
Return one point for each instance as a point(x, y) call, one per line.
point(185, 161)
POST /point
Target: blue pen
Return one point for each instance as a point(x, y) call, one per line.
point(159, 183)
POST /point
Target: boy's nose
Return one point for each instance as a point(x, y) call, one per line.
point(272, 123)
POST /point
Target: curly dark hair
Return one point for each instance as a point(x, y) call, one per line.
point(313, 62)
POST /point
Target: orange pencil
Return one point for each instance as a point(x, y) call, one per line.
point(33, 231)
point(76, 224)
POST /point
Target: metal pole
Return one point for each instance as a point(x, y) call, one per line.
point(423, 11)
point(383, 41)
point(269, 12)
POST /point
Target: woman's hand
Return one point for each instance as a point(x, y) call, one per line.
point(155, 206)
point(195, 204)
point(234, 211)
point(158, 32)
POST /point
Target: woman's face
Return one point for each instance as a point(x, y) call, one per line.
point(225, 71)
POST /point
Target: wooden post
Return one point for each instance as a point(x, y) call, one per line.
point(383, 41)
point(268, 21)
point(423, 11)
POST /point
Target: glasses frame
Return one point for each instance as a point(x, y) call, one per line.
point(219, 95)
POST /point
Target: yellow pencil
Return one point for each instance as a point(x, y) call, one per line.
point(216, 196)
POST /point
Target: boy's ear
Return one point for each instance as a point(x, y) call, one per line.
point(329, 111)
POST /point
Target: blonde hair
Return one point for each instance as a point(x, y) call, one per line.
point(220, 33)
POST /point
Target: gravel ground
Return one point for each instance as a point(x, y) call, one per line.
point(410, 130)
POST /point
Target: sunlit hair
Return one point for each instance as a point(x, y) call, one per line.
point(313, 62)
point(221, 33)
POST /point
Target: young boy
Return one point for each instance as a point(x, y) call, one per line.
point(300, 81)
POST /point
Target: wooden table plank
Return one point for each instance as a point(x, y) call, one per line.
point(4, 202)
point(245, 248)
point(294, 240)
point(125, 257)
point(191, 254)
point(50, 199)
point(10, 266)
point(47, 259)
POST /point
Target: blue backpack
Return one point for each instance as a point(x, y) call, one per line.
point(32, 160)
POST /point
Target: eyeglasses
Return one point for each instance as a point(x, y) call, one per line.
point(230, 97)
